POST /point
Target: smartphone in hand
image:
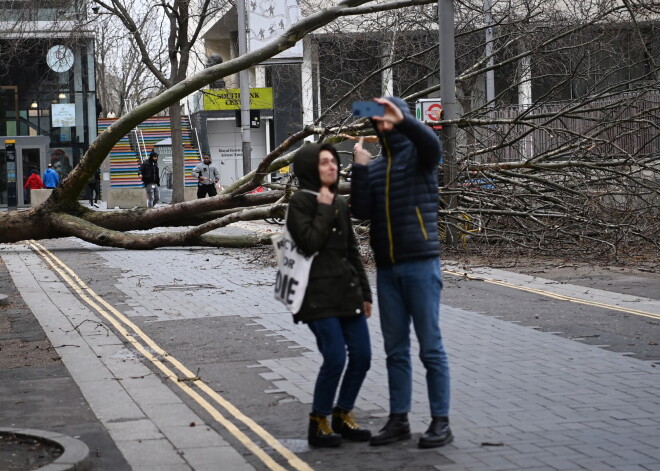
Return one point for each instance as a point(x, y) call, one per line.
point(368, 109)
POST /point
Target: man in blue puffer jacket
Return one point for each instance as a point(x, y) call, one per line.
point(398, 192)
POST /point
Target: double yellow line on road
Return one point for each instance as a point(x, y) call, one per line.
point(560, 297)
point(143, 343)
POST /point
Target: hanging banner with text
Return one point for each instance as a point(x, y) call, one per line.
point(230, 99)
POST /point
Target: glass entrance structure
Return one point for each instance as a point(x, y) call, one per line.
point(48, 100)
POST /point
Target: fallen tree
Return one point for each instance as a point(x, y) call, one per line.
point(61, 215)
point(555, 175)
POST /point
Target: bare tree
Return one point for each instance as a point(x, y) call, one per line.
point(122, 78)
point(180, 21)
point(61, 215)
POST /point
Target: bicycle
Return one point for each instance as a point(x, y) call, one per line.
point(286, 180)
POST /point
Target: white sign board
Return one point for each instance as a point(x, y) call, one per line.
point(228, 153)
point(64, 115)
point(268, 19)
point(429, 109)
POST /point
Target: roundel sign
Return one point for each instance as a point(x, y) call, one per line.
point(429, 110)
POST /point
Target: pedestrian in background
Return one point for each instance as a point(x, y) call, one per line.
point(51, 178)
point(207, 176)
point(337, 302)
point(93, 184)
point(398, 192)
point(33, 182)
point(151, 178)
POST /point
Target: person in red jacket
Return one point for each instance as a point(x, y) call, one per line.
point(33, 182)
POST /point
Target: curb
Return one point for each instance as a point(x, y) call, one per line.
point(74, 458)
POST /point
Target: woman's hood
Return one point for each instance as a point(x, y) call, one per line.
point(306, 166)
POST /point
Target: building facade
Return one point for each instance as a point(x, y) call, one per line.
point(48, 106)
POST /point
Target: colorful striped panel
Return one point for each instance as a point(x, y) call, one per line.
point(124, 162)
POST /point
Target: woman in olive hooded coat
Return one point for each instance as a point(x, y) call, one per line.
point(338, 298)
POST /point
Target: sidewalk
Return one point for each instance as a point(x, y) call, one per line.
point(522, 399)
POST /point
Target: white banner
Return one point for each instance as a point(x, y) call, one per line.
point(268, 19)
point(64, 115)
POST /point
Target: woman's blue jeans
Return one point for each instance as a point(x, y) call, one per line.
point(336, 337)
point(411, 291)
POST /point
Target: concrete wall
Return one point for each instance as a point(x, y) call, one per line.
point(39, 196)
point(125, 198)
point(190, 193)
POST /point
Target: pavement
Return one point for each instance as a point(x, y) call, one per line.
point(111, 370)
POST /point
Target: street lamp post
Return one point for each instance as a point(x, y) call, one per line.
point(244, 83)
point(449, 105)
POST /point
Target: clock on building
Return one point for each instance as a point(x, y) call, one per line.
point(59, 58)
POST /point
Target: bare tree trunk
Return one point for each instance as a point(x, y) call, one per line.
point(177, 154)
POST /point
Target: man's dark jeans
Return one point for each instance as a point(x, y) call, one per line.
point(203, 190)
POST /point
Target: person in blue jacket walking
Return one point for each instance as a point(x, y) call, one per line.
point(51, 178)
point(398, 192)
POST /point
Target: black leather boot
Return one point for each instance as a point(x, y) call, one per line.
point(438, 434)
point(320, 434)
point(397, 428)
point(343, 423)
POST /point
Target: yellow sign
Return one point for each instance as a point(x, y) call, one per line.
point(230, 99)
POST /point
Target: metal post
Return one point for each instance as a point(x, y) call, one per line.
point(307, 82)
point(490, 74)
point(244, 80)
point(12, 164)
point(448, 97)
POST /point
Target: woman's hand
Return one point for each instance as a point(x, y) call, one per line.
point(366, 306)
point(325, 196)
point(361, 156)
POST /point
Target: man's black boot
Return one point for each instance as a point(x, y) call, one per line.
point(343, 422)
point(320, 434)
point(438, 434)
point(397, 428)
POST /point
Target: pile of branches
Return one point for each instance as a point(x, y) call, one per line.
point(593, 186)
point(609, 210)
